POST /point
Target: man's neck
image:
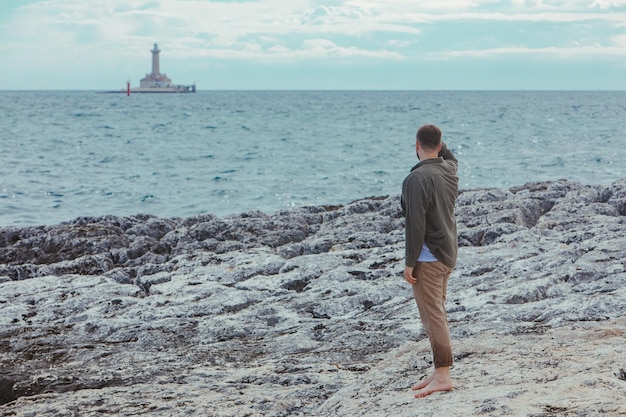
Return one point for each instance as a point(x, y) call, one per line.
point(428, 155)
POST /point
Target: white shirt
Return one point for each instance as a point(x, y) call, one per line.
point(426, 255)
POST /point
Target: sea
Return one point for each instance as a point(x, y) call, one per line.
point(70, 154)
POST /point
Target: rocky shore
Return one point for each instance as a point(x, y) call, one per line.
point(304, 312)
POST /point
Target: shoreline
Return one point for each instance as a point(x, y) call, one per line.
point(304, 311)
point(269, 211)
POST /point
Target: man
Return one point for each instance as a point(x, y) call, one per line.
point(428, 196)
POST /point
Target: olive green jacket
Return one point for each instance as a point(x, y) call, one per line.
point(428, 196)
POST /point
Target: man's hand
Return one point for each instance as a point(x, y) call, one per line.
point(408, 275)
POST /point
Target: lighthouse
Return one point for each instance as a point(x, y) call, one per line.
point(155, 60)
point(155, 79)
point(155, 82)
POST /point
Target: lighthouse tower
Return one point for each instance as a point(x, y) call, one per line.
point(155, 79)
point(155, 59)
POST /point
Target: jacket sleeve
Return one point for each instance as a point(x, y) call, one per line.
point(415, 204)
point(446, 153)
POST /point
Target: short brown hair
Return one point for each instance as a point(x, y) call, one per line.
point(429, 136)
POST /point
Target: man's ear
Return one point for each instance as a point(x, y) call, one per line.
point(439, 147)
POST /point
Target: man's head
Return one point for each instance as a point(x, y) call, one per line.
point(429, 138)
point(428, 143)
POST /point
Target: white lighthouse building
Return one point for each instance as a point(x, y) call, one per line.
point(155, 82)
point(155, 78)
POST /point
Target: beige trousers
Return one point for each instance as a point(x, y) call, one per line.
point(430, 296)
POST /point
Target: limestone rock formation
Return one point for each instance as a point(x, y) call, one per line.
point(304, 312)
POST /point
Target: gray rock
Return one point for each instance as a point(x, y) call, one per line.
point(294, 313)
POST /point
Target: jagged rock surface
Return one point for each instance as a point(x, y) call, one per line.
point(305, 312)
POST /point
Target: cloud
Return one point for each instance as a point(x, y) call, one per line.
point(606, 4)
point(399, 44)
point(539, 53)
point(327, 48)
point(412, 6)
point(281, 29)
point(309, 49)
point(620, 41)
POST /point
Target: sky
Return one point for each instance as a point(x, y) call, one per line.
point(315, 44)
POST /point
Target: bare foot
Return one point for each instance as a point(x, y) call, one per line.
point(437, 381)
point(434, 386)
point(423, 383)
